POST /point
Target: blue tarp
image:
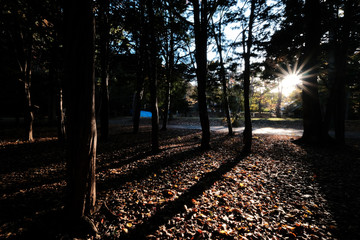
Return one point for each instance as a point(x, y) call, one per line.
point(145, 114)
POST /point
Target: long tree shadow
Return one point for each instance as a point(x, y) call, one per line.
point(29, 165)
point(21, 157)
point(177, 206)
point(36, 211)
point(153, 167)
point(145, 170)
point(337, 170)
point(34, 204)
point(138, 152)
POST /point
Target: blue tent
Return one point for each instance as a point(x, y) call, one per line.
point(145, 114)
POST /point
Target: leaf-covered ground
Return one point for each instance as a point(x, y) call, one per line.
point(280, 191)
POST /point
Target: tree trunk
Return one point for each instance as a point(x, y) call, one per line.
point(104, 58)
point(152, 54)
point(80, 108)
point(22, 41)
point(330, 105)
point(140, 73)
point(169, 75)
point(248, 127)
point(137, 103)
point(310, 96)
point(26, 75)
point(278, 102)
point(223, 79)
point(61, 118)
point(200, 25)
point(29, 114)
point(52, 94)
point(167, 103)
point(340, 72)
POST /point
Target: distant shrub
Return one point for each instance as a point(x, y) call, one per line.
point(236, 120)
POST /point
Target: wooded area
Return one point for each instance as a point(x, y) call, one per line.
point(70, 70)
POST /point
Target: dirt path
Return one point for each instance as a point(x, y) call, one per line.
point(267, 127)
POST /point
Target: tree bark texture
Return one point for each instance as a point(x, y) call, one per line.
point(312, 119)
point(200, 25)
point(79, 96)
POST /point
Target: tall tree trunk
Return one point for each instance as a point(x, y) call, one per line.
point(200, 25)
point(167, 102)
point(329, 111)
point(168, 80)
point(58, 93)
point(247, 135)
point(22, 41)
point(311, 106)
point(104, 58)
point(29, 114)
point(137, 102)
point(61, 117)
point(340, 72)
point(26, 78)
point(52, 95)
point(140, 73)
point(279, 101)
point(225, 98)
point(80, 108)
point(169, 73)
point(223, 78)
point(152, 54)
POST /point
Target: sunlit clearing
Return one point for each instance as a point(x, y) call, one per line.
point(290, 83)
point(292, 79)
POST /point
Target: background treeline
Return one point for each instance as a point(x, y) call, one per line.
point(129, 38)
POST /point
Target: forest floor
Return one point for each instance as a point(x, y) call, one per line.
point(280, 191)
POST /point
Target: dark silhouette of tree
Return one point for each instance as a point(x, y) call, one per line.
point(104, 29)
point(79, 96)
point(247, 44)
point(222, 73)
point(279, 101)
point(339, 40)
point(169, 62)
point(21, 19)
point(140, 75)
point(311, 106)
point(152, 74)
point(61, 125)
point(173, 35)
point(56, 107)
point(333, 24)
point(200, 28)
point(169, 79)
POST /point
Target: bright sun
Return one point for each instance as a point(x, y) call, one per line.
point(290, 83)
